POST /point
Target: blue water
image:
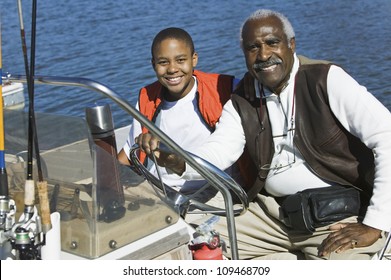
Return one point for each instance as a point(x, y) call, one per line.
point(109, 41)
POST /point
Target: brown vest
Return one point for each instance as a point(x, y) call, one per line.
point(332, 153)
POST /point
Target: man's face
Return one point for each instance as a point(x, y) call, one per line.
point(173, 63)
point(269, 58)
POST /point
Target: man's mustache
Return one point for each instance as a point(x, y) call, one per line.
point(264, 64)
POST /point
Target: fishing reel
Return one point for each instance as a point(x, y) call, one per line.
point(27, 235)
point(7, 213)
point(21, 240)
point(7, 220)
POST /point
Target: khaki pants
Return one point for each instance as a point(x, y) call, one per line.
point(262, 235)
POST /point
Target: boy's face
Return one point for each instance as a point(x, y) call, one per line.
point(173, 63)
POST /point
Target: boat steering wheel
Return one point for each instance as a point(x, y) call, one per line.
point(187, 203)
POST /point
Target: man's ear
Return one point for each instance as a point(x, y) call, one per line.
point(153, 63)
point(292, 43)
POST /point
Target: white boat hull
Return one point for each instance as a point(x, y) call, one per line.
point(13, 96)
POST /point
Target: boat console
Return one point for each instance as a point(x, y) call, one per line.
point(130, 221)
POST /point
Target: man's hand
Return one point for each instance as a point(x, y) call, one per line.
point(348, 236)
point(150, 144)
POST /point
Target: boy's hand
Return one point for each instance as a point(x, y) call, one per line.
point(147, 142)
point(150, 144)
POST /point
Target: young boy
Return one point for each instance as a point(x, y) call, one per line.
point(184, 103)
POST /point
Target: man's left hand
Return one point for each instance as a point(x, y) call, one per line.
point(348, 236)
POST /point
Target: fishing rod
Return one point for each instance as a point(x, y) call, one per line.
point(29, 184)
point(27, 246)
point(7, 205)
point(3, 170)
point(33, 137)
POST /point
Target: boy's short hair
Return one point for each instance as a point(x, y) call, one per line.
point(173, 33)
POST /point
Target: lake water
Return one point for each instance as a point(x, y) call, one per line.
point(109, 41)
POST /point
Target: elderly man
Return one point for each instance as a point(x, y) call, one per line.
point(320, 149)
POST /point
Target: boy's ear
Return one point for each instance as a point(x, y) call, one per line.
point(195, 59)
point(153, 63)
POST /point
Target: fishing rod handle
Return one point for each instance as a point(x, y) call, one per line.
point(44, 206)
point(29, 193)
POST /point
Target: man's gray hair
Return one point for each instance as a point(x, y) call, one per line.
point(264, 13)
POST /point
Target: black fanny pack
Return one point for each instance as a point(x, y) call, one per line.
point(312, 208)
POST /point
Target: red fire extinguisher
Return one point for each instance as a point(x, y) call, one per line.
point(208, 250)
point(206, 244)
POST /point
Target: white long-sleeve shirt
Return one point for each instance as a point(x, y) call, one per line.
point(182, 121)
point(358, 111)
